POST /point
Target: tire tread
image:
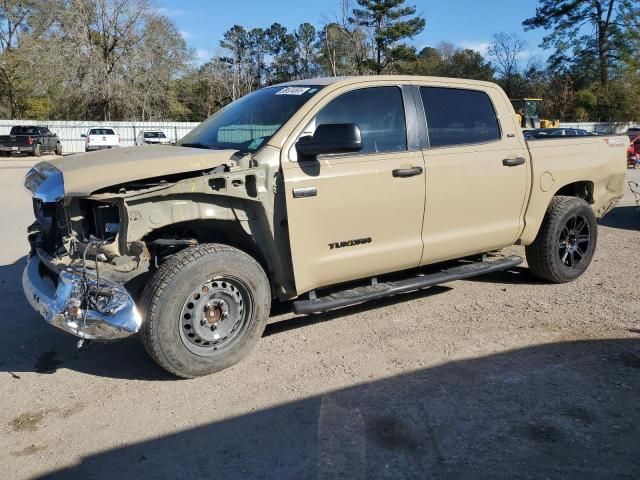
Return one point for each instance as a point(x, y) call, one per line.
point(157, 285)
point(539, 252)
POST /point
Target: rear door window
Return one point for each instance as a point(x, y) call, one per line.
point(378, 111)
point(457, 116)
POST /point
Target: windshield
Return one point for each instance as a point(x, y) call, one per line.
point(154, 135)
point(248, 123)
point(531, 108)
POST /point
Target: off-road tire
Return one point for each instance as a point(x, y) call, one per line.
point(543, 255)
point(37, 150)
point(171, 286)
point(58, 150)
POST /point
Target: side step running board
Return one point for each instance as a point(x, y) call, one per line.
point(375, 291)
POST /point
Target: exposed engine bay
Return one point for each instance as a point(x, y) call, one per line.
point(122, 231)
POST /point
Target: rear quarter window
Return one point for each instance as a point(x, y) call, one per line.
point(457, 116)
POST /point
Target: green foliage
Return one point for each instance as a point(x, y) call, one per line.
point(391, 22)
point(305, 38)
point(448, 61)
point(342, 50)
point(587, 32)
point(596, 43)
point(39, 108)
point(585, 101)
point(118, 59)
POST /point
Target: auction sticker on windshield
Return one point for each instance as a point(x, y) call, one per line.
point(293, 91)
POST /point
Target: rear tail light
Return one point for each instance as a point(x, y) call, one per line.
point(30, 140)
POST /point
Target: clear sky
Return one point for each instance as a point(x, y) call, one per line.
point(466, 23)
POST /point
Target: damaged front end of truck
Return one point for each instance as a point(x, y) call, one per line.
point(95, 242)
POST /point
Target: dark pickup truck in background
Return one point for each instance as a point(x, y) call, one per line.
point(35, 140)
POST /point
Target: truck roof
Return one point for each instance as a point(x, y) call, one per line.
point(323, 81)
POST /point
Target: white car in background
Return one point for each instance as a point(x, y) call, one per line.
point(100, 138)
point(151, 137)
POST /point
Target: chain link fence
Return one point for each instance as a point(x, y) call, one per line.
point(69, 131)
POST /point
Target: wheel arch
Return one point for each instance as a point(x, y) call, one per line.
point(540, 204)
point(227, 232)
point(581, 189)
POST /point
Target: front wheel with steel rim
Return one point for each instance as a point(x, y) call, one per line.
point(215, 314)
point(205, 309)
point(566, 242)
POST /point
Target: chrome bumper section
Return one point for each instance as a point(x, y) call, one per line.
point(113, 314)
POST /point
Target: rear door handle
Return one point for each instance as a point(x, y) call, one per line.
point(513, 162)
point(407, 172)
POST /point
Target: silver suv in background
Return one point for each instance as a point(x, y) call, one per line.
point(151, 137)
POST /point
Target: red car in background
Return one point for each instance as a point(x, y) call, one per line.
point(633, 152)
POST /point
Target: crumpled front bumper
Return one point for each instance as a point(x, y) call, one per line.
point(60, 305)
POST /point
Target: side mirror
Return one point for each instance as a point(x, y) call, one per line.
point(331, 138)
point(83, 135)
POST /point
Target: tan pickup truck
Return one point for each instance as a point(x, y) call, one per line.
point(311, 192)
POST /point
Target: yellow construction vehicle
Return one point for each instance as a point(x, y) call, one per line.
point(528, 111)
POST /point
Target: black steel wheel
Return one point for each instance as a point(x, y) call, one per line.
point(566, 242)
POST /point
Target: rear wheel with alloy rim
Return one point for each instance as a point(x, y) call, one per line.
point(573, 243)
point(566, 242)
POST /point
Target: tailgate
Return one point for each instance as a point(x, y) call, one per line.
point(14, 140)
point(103, 140)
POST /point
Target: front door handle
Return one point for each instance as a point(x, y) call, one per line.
point(407, 172)
point(513, 162)
point(305, 192)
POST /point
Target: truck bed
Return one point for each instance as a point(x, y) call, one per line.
point(596, 162)
point(16, 143)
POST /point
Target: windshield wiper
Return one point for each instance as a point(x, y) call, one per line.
point(197, 145)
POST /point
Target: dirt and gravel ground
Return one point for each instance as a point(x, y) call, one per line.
point(501, 377)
